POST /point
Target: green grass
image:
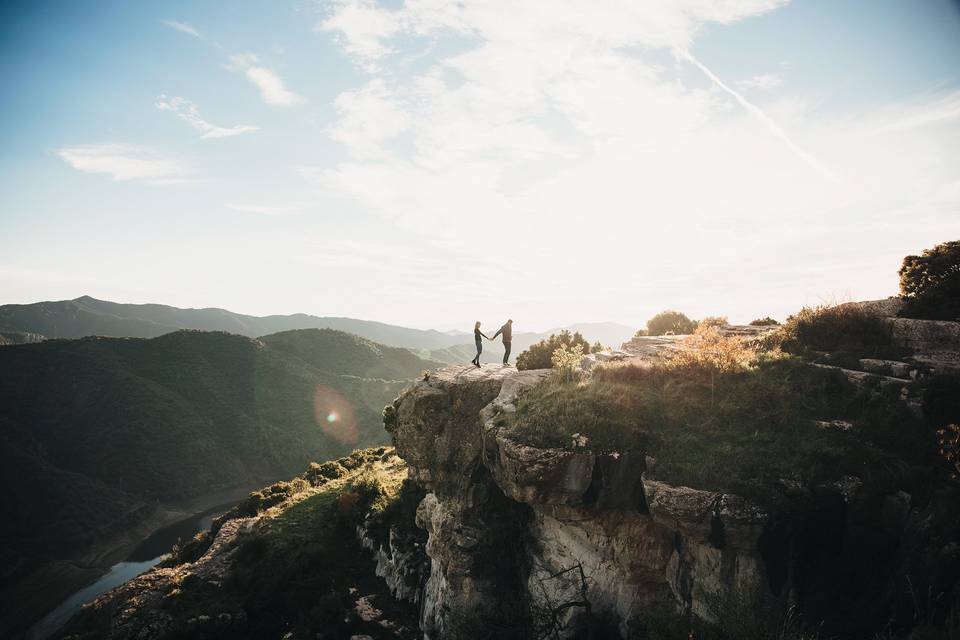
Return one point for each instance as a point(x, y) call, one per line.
point(300, 572)
point(304, 570)
point(735, 431)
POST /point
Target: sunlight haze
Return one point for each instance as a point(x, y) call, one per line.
point(430, 163)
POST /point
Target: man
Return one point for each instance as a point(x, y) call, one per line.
point(507, 332)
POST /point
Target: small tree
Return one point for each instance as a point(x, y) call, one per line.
point(539, 355)
point(764, 322)
point(673, 321)
point(930, 283)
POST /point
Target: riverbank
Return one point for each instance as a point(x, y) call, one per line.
point(49, 584)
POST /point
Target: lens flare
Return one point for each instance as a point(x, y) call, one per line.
point(334, 415)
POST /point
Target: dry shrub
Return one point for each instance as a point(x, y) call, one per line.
point(713, 321)
point(708, 349)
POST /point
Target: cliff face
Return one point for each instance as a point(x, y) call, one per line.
point(525, 539)
point(532, 542)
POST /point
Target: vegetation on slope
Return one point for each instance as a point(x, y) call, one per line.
point(297, 569)
point(722, 416)
point(857, 472)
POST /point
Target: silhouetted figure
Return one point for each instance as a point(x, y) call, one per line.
point(477, 334)
point(507, 332)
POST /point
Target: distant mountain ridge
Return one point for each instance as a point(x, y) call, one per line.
point(86, 316)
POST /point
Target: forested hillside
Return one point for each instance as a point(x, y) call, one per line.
point(95, 432)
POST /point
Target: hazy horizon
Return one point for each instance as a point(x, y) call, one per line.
point(427, 164)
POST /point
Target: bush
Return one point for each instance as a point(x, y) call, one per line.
point(708, 349)
point(566, 362)
point(330, 470)
point(641, 333)
point(670, 321)
point(930, 283)
point(764, 322)
point(843, 328)
point(712, 321)
point(539, 355)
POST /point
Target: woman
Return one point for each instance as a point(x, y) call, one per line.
point(477, 334)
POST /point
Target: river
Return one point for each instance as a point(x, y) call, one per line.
point(146, 555)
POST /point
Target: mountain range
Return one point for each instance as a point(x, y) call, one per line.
point(86, 316)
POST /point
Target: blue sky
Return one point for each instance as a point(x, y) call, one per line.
point(431, 163)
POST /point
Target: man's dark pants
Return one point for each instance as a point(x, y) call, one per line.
point(506, 352)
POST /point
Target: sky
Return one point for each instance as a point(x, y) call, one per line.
point(430, 163)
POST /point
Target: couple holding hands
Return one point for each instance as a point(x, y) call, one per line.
point(506, 331)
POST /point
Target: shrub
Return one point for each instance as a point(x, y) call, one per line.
point(764, 322)
point(370, 487)
point(930, 283)
point(713, 321)
point(539, 355)
point(708, 349)
point(844, 328)
point(670, 321)
point(390, 418)
point(566, 362)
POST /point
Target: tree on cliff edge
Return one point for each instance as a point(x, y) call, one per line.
point(673, 321)
point(930, 283)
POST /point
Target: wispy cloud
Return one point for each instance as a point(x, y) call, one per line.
point(935, 112)
point(277, 209)
point(188, 112)
point(764, 81)
point(760, 115)
point(182, 27)
point(271, 86)
point(124, 162)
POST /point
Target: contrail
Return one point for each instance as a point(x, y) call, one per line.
point(768, 122)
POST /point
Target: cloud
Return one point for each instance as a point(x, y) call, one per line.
point(362, 27)
point(271, 86)
point(559, 143)
point(764, 81)
point(124, 162)
point(182, 27)
point(935, 111)
point(368, 117)
point(274, 210)
point(771, 125)
point(188, 112)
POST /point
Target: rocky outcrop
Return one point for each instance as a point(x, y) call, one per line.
point(521, 537)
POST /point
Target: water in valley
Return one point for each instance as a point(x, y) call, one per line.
point(146, 555)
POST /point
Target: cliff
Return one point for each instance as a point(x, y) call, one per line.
point(528, 541)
